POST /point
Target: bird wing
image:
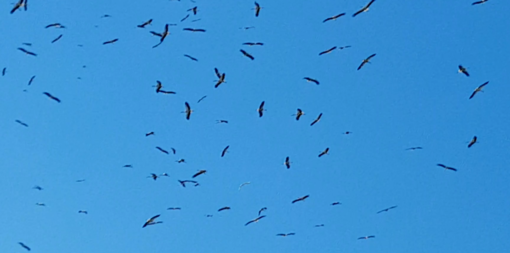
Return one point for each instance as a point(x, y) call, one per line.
point(224, 151)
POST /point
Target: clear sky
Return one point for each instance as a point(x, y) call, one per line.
point(411, 94)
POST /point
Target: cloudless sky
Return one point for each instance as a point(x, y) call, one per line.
point(410, 95)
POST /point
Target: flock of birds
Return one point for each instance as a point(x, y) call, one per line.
point(162, 37)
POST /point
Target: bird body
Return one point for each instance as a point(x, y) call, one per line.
point(364, 9)
point(261, 109)
point(365, 61)
point(151, 221)
point(478, 89)
point(300, 199)
point(333, 18)
point(472, 142)
point(199, 173)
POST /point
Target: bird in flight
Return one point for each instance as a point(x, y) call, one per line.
point(287, 162)
point(181, 161)
point(37, 187)
point(26, 51)
point(414, 148)
point(224, 151)
point(161, 35)
point(478, 89)
point(299, 114)
point(57, 38)
point(253, 44)
point(83, 212)
point(193, 30)
point(40, 204)
point(336, 203)
point(202, 98)
point(316, 120)
point(222, 121)
point(154, 176)
point(183, 182)
point(262, 210)
point(51, 96)
point(146, 23)
point(387, 209)
point(21, 123)
point(152, 221)
point(254, 220)
point(285, 235)
point(319, 225)
point(308, 79)
point(148, 134)
point(56, 25)
point(19, 4)
point(191, 57)
point(194, 10)
point(367, 60)
point(173, 208)
point(463, 70)
point(3, 71)
point(199, 173)
point(247, 54)
point(261, 109)
point(446, 167)
point(127, 166)
point(325, 152)
point(159, 87)
point(366, 237)
point(333, 18)
point(188, 110)
point(364, 9)
point(479, 2)
point(257, 9)
point(110, 41)
point(327, 51)
point(472, 142)
point(24, 246)
point(300, 199)
point(224, 208)
point(243, 184)
point(162, 150)
point(221, 78)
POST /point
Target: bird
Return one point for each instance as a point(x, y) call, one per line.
point(316, 120)
point(414, 148)
point(3, 71)
point(222, 121)
point(479, 2)
point(446, 167)
point(194, 10)
point(364, 9)
point(162, 150)
point(199, 173)
point(284, 235)
point(366, 237)
point(478, 89)
point(287, 162)
point(161, 35)
point(325, 152)
point(24, 246)
point(224, 208)
point(181, 161)
point(153, 176)
point(300, 199)
point(188, 110)
point(83, 211)
point(80, 180)
point(173, 150)
point(243, 184)
point(21, 123)
point(333, 18)
point(186, 17)
point(173, 208)
point(299, 114)
point(319, 225)
point(191, 57)
point(253, 44)
point(57, 38)
point(344, 47)
point(367, 60)
point(110, 41)
point(19, 4)
point(56, 25)
point(261, 109)
point(472, 142)
point(51, 96)
point(262, 210)
point(336, 203)
point(127, 166)
point(40, 204)
point(183, 182)
point(37, 187)
point(257, 9)
point(387, 209)
point(221, 78)
point(193, 30)
point(247, 54)
point(146, 23)
point(463, 70)
point(159, 87)
point(327, 51)
point(254, 220)
point(151, 221)
point(224, 151)
point(202, 98)
point(148, 134)
point(26, 51)
point(308, 79)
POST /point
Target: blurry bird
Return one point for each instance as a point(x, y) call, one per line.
point(83, 211)
point(366, 237)
point(243, 184)
point(162, 150)
point(223, 209)
point(446, 167)
point(344, 47)
point(253, 43)
point(56, 25)
point(110, 41)
point(254, 220)
point(479, 2)
point(478, 89)
point(319, 225)
point(37, 187)
point(367, 60)
point(161, 35)
point(463, 70)
point(3, 71)
point(387, 209)
point(20, 243)
point(183, 182)
point(414, 148)
point(181, 161)
point(21, 123)
point(153, 176)
point(57, 38)
point(173, 208)
point(285, 235)
point(247, 54)
point(51, 96)
point(199, 173)
point(40, 204)
point(151, 221)
point(325, 152)
point(193, 30)
point(80, 180)
point(224, 151)
point(336, 203)
point(333, 18)
point(202, 98)
point(472, 142)
point(221, 78)
point(311, 80)
point(257, 9)
point(328, 51)
point(148, 134)
point(222, 121)
point(191, 57)
point(299, 114)
point(194, 10)
point(262, 210)
point(261, 109)
point(300, 199)
point(188, 110)
point(316, 120)
point(128, 166)
point(287, 162)
point(26, 51)
point(364, 9)
point(19, 4)
point(146, 23)
point(187, 16)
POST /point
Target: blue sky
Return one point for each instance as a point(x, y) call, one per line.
point(410, 95)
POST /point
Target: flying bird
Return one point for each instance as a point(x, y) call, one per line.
point(328, 51)
point(37, 187)
point(224, 151)
point(161, 35)
point(31, 80)
point(193, 30)
point(308, 79)
point(243, 184)
point(336, 203)
point(472, 142)
point(364, 9)
point(191, 57)
point(257, 9)
point(183, 182)
point(83, 212)
point(222, 121)
point(146, 23)
point(367, 60)
point(316, 120)
point(199, 173)
point(284, 235)
point(162, 150)
point(148, 134)
point(22, 244)
point(223, 209)
point(253, 44)
point(221, 78)
point(181, 161)
point(202, 98)
point(3, 71)
point(366, 237)
point(21, 123)
point(57, 38)
point(247, 54)
point(151, 221)
point(19, 4)
point(446, 167)
point(299, 114)
point(300, 199)
point(262, 210)
point(463, 70)
point(287, 162)
point(188, 110)
point(479, 2)
point(333, 18)
point(254, 220)
point(261, 109)
point(325, 152)
point(26, 51)
point(414, 148)
point(51, 96)
point(387, 209)
point(478, 89)
point(40, 204)
point(127, 166)
point(56, 25)
point(173, 208)
point(110, 41)
point(194, 10)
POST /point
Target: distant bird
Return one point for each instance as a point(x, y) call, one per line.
point(478, 89)
point(463, 70)
point(83, 211)
point(199, 173)
point(414, 148)
point(56, 25)
point(127, 166)
point(37, 187)
point(148, 134)
point(225, 150)
point(21, 123)
point(173, 208)
point(26, 51)
point(188, 110)
point(319, 225)
point(3, 71)
point(299, 114)
point(194, 10)
point(325, 152)
point(336, 203)
point(328, 51)
point(300, 199)
point(472, 142)
point(243, 184)
point(51, 96)
point(57, 38)
point(110, 41)
point(285, 235)
point(333, 18)
point(253, 44)
point(162, 150)
point(257, 9)
point(146, 23)
point(367, 60)
point(247, 54)
point(366, 237)
point(261, 109)
point(479, 2)
point(222, 121)
point(106, 16)
point(20, 243)
point(153, 176)
point(316, 120)
point(446, 167)
point(183, 182)
point(80, 180)
point(348, 132)
point(387, 209)
point(223, 209)
point(161, 35)
point(287, 162)
point(40, 204)
point(202, 98)
point(193, 30)
point(152, 221)
point(364, 9)
point(254, 220)
point(19, 4)
point(186, 17)
point(262, 210)
point(344, 47)
point(308, 79)
point(191, 57)
point(181, 161)
point(159, 88)
point(221, 78)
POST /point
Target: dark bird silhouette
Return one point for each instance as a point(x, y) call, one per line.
point(333, 18)
point(221, 78)
point(173, 208)
point(57, 38)
point(325, 152)
point(319, 225)
point(162, 150)
point(26, 51)
point(83, 212)
point(257, 9)
point(24, 246)
point(181, 161)
point(387, 209)
point(110, 41)
point(159, 89)
point(194, 10)
point(472, 142)
point(193, 30)
point(253, 44)
point(152, 221)
point(299, 114)
point(161, 35)
point(146, 23)
point(40, 204)
point(366, 237)
point(188, 110)
point(153, 176)
point(478, 89)
point(148, 134)
point(262, 210)
point(191, 57)
point(224, 151)
point(247, 54)
point(414, 148)
point(308, 79)
point(202, 98)
point(21, 123)
point(31, 80)
point(336, 203)
point(222, 121)
point(344, 47)
point(127, 166)
point(316, 120)
point(364, 9)
point(56, 25)
point(287, 162)
point(187, 16)
point(300, 199)
point(173, 150)
point(19, 4)
point(261, 109)
point(3, 71)
point(51, 96)
point(328, 51)
point(183, 182)
point(37, 187)
point(367, 60)
point(254, 220)
point(285, 235)
point(199, 173)
point(223, 209)
point(479, 2)
point(446, 167)
point(463, 70)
